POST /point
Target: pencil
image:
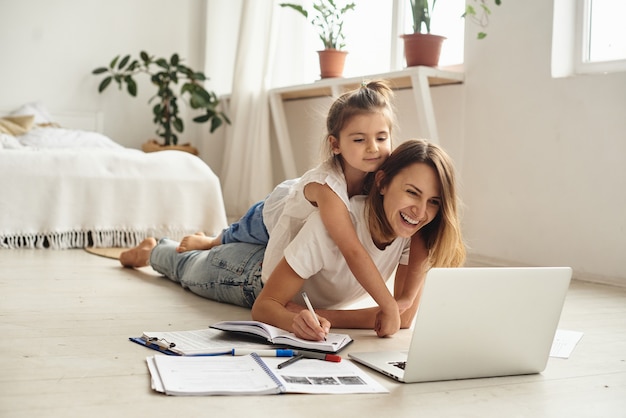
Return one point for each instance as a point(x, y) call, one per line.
point(290, 361)
point(308, 305)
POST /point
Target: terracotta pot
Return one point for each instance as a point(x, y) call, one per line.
point(153, 146)
point(422, 49)
point(332, 62)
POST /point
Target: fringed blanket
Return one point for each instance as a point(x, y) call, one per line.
point(74, 198)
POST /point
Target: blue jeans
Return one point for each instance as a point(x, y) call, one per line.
point(229, 273)
point(250, 228)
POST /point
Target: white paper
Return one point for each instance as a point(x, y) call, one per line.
point(319, 376)
point(215, 375)
point(155, 379)
point(202, 341)
point(241, 375)
point(564, 343)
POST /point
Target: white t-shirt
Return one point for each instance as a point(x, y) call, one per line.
point(286, 209)
point(314, 256)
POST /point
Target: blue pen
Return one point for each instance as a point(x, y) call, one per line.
point(221, 353)
point(263, 353)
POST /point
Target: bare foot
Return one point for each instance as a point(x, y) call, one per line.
point(140, 255)
point(197, 241)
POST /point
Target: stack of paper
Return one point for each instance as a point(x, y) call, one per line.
point(253, 375)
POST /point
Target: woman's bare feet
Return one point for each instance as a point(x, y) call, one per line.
point(198, 241)
point(140, 255)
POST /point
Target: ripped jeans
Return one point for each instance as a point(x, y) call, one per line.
point(229, 273)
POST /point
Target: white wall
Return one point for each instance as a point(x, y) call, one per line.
point(542, 161)
point(49, 48)
point(545, 159)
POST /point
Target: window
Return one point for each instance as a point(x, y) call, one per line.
point(373, 31)
point(600, 36)
point(372, 39)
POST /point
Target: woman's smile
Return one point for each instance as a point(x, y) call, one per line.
point(409, 220)
point(412, 199)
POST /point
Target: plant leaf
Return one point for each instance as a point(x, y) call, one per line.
point(202, 118)
point(215, 123)
point(162, 63)
point(123, 62)
point(133, 65)
point(178, 125)
point(297, 8)
point(131, 86)
point(199, 76)
point(104, 84)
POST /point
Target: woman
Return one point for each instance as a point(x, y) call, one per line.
point(413, 194)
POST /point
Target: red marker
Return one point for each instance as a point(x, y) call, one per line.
point(321, 356)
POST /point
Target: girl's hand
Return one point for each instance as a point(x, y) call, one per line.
point(387, 324)
point(305, 326)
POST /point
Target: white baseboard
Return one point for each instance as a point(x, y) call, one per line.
point(477, 260)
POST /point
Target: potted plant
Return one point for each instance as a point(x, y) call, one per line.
point(423, 48)
point(327, 18)
point(164, 74)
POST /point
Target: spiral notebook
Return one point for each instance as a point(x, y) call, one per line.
point(253, 375)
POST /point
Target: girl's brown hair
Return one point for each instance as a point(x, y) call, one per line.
point(370, 97)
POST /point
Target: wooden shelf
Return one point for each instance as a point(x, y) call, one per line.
point(420, 79)
point(397, 79)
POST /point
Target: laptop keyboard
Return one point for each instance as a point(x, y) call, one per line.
point(398, 364)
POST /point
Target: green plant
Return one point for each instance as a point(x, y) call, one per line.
point(421, 10)
point(165, 74)
point(476, 10)
point(480, 17)
point(328, 19)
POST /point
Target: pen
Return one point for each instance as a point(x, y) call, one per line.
point(290, 361)
point(308, 305)
point(263, 353)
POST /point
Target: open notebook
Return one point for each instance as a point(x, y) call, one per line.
point(270, 334)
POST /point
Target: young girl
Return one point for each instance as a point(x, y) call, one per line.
point(358, 137)
point(415, 183)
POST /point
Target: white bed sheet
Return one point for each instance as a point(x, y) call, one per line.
point(104, 197)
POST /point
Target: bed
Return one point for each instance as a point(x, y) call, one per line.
point(66, 188)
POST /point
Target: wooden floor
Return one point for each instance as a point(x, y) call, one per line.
point(65, 319)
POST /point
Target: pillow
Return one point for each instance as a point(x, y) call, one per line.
point(36, 109)
point(9, 142)
point(66, 138)
point(16, 125)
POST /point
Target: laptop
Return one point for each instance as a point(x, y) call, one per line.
point(479, 322)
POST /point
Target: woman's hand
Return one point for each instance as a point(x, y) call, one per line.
point(305, 326)
point(294, 307)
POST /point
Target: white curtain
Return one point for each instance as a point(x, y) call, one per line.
point(247, 168)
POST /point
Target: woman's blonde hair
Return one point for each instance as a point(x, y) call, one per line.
point(442, 235)
point(371, 97)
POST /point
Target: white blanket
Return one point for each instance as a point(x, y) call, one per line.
point(73, 198)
